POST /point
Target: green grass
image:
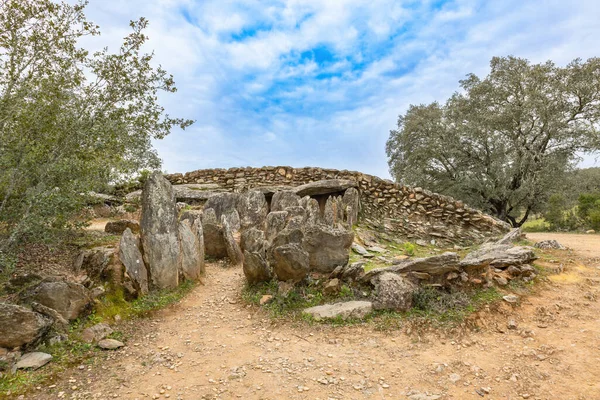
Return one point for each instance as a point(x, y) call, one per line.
point(91, 239)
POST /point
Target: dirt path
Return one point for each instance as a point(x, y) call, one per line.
point(212, 346)
point(586, 245)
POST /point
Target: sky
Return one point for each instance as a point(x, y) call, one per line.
point(322, 82)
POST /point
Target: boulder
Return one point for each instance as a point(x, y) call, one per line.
point(253, 240)
point(332, 287)
point(214, 241)
point(328, 247)
point(290, 263)
point(549, 244)
point(131, 257)
point(96, 333)
point(159, 225)
point(94, 261)
point(118, 227)
point(59, 323)
point(236, 257)
point(349, 309)
point(253, 209)
point(498, 256)
point(276, 222)
point(358, 249)
point(33, 360)
point(284, 199)
point(20, 326)
point(435, 265)
point(323, 187)
point(256, 269)
point(69, 299)
point(392, 292)
point(192, 251)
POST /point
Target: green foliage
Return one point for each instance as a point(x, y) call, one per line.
point(505, 141)
point(409, 249)
point(536, 225)
point(559, 216)
point(70, 121)
point(589, 209)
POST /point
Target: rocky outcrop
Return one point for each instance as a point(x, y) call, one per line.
point(159, 229)
point(284, 199)
point(512, 236)
point(131, 257)
point(435, 265)
point(256, 268)
point(69, 299)
point(234, 253)
point(349, 309)
point(20, 326)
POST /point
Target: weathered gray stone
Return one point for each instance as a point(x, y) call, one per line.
point(392, 292)
point(96, 333)
point(328, 247)
point(192, 254)
point(512, 236)
point(195, 193)
point(20, 326)
point(549, 244)
point(191, 215)
point(323, 187)
point(253, 209)
point(94, 261)
point(110, 344)
point(276, 222)
point(253, 241)
point(313, 211)
point(349, 309)
point(214, 241)
point(33, 360)
point(223, 203)
point(59, 323)
point(160, 239)
point(256, 268)
point(284, 199)
point(332, 287)
point(435, 265)
point(351, 204)
point(236, 257)
point(291, 263)
point(131, 257)
point(498, 256)
point(118, 227)
point(358, 249)
point(69, 299)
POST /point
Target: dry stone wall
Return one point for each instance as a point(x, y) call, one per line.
point(414, 213)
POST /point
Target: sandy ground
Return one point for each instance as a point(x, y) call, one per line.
point(212, 346)
point(586, 245)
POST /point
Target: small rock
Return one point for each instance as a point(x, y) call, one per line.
point(266, 299)
point(501, 281)
point(110, 344)
point(332, 287)
point(33, 360)
point(358, 249)
point(511, 324)
point(454, 378)
point(511, 298)
point(96, 333)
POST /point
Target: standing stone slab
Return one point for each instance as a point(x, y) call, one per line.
point(253, 209)
point(276, 222)
point(236, 257)
point(351, 204)
point(214, 241)
point(131, 257)
point(19, 325)
point(192, 256)
point(284, 199)
point(159, 226)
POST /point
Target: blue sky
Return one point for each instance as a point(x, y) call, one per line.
point(321, 83)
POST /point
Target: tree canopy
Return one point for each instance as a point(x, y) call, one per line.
point(504, 141)
point(70, 120)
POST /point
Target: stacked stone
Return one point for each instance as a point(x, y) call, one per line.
point(411, 212)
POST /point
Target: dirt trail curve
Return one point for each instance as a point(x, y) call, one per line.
point(212, 346)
